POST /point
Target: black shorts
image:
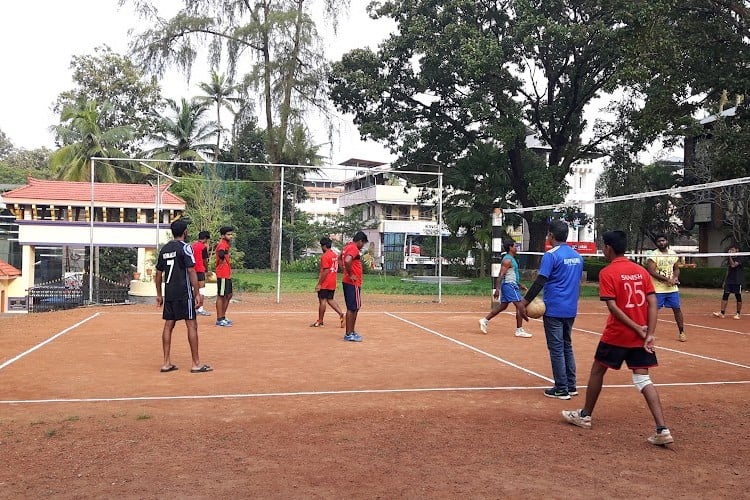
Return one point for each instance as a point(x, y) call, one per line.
point(735, 289)
point(612, 356)
point(176, 310)
point(223, 287)
point(201, 276)
point(325, 294)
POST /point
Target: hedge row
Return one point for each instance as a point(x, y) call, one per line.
point(697, 277)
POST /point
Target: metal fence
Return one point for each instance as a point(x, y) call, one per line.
point(67, 293)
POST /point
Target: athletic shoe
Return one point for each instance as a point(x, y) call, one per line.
point(353, 337)
point(203, 312)
point(574, 417)
point(556, 393)
point(736, 316)
point(661, 438)
point(718, 314)
point(317, 324)
point(223, 322)
point(342, 321)
point(572, 391)
point(682, 337)
point(520, 332)
point(229, 321)
point(483, 324)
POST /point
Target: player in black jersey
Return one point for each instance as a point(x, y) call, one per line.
point(175, 268)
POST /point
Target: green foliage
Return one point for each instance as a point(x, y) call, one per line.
point(6, 147)
point(84, 133)
point(21, 164)
point(183, 135)
point(305, 265)
point(117, 264)
point(109, 77)
point(446, 88)
point(640, 219)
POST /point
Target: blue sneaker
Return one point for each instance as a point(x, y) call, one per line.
point(229, 321)
point(223, 322)
point(353, 337)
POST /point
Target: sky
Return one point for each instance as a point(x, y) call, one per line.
point(38, 40)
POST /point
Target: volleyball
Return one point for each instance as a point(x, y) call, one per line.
point(535, 309)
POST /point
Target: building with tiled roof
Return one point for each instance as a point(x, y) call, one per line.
point(59, 220)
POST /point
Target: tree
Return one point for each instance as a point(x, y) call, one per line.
point(83, 134)
point(6, 147)
point(276, 39)
point(183, 135)
point(450, 83)
point(23, 163)
point(107, 76)
point(220, 93)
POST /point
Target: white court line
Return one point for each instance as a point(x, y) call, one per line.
point(704, 327)
point(13, 360)
point(336, 393)
point(463, 344)
point(662, 348)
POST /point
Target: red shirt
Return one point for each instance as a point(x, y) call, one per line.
point(352, 250)
point(627, 284)
point(329, 260)
point(223, 268)
point(200, 252)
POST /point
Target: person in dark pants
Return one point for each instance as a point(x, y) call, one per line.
point(175, 269)
point(560, 276)
point(352, 283)
point(732, 283)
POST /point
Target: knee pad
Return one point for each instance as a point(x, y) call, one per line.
point(202, 291)
point(641, 381)
point(738, 296)
point(725, 297)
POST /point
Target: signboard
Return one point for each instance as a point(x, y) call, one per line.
point(586, 247)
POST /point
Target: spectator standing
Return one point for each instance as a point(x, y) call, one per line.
point(732, 283)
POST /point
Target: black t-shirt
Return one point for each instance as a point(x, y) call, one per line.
point(734, 274)
point(175, 258)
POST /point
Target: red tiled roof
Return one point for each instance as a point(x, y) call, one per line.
point(56, 191)
point(8, 271)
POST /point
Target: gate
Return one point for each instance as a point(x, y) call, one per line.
point(73, 291)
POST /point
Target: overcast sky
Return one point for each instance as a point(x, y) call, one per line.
point(38, 40)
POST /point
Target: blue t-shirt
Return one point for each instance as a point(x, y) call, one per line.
point(563, 268)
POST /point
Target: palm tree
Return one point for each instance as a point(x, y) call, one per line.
point(83, 136)
point(184, 135)
point(218, 93)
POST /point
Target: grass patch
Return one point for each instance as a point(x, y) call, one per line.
point(51, 433)
point(301, 282)
point(143, 416)
point(72, 418)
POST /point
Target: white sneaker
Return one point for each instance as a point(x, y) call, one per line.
point(718, 314)
point(661, 438)
point(483, 323)
point(574, 417)
point(520, 332)
point(203, 312)
point(737, 316)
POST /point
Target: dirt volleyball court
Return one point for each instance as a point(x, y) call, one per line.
point(425, 407)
